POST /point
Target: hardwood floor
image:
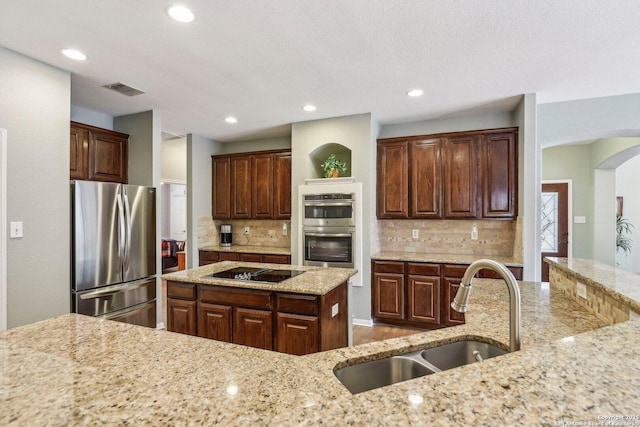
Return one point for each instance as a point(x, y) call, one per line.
point(365, 334)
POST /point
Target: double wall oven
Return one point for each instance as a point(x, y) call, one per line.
point(328, 228)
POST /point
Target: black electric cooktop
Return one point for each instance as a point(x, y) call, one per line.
point(256, 274)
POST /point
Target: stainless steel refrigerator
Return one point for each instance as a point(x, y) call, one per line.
point(113, 251)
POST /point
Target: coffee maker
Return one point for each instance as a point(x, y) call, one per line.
point(225, 235)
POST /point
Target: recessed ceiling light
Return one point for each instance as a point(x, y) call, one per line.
point(309, 107)
point(415, 92)
point(231, 119)
point(180, 13)
point(74, 54)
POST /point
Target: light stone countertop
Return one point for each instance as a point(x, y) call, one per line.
point(244, 249)
point(78, 370)
point(443, 258)
point(314, 280)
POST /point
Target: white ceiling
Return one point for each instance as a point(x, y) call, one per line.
point(262, 60)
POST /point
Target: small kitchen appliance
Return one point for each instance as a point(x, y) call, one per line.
point(225, 235)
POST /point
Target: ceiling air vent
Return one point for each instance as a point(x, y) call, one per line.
point(124, 89)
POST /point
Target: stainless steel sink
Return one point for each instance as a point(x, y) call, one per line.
point(394, 369)
point(379, 373)
point(460, 353)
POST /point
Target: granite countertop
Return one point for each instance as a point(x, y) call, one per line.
point(271, 250)
point(76, 369)
point(620, 284)
point(314, 280)
point(443, 258)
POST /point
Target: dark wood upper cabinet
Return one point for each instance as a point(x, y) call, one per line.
point(282, 186)
point(461, 177)
point(499, 169)
point(98, 154)
point(393, 180)
point(255, 185)
point(262, 168)
point(426, 172)
point(221, 172)
point(241, 187)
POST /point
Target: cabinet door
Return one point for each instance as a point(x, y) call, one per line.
point(424, 299)
point(250, 257)
point(207, 257)
point(253, 328)
point(451, 317)
point(181, 316)
point(297, 334)
point(393, 180)
point(108, 157)
point(241, 187)
point(214, 321)
point(229, 256)
point(388, 296)
point(221, 188)
point(499, 175)
point(262, 186)
point(426, 169)
point(460, 169)
point(79, 154)
point(282, 186)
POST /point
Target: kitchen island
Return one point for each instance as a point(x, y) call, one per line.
point(77, 370)
point(291, 309)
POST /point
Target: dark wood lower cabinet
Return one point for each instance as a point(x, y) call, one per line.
point(286, 322)
point(419, 294)
point(211, 257)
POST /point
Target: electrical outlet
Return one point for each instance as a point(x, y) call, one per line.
point(581, 290)
point(334, 310)
point(415, 234)
point(474, 232)
point(246, 231)
point(284, 229)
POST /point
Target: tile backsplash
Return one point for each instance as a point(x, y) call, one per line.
point(261, 232)
point(495, 238)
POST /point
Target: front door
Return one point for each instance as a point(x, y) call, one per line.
point(554, 223)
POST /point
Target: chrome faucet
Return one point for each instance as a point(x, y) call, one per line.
point(462, 296)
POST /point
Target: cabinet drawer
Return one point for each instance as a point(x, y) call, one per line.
point(229, 256)
point(251, 258)
point(490, 274)
point(388, 267)
point(298, 304)
point(454, 270)
point(207, 257)
point(235, 297)
point(181, 291)
point(276, 259)
point(421, 269)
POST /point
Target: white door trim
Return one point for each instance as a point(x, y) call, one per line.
point(569, 183)
point(3, 230)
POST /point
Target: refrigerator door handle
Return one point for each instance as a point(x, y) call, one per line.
point(115, 289)
point(127, 213)
point(121, 232)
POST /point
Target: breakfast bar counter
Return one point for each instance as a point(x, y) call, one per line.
point(77, 370)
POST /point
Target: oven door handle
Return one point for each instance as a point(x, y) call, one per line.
point(328, 234)
point(309, 203)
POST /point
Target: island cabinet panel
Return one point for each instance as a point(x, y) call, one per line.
point(221, 197)
point(236, 297)
point(426, 171)
point(282, 186)
point(251, 257)
point(181, 316)
point(253, 328)
point(393, 180)
point(98, 154)
point(499, 175)
point(460, 177)
point(214, 321)
point(211, 257)
point(334, 332)
point(276, 259)
point(241, 187)
point(297, 334)
point(207, 257)
point(229, 256)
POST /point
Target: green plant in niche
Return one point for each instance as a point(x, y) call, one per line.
point(333, 167)
point(623, 227)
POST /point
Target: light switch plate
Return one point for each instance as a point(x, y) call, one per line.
point(246, 231)
point(415, 234)
point(16, 230)
point(580, 219)
point(581, 290)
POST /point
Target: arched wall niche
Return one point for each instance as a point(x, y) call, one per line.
point(320, 154)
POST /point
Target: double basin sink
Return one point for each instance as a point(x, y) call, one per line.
point(379, 373)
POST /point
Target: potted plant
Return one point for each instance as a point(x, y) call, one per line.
point(623, 226)
point(333, 167)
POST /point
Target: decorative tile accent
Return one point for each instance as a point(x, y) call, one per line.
point(209, 232)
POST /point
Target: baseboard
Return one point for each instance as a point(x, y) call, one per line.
point(362, 322)
point(160, 325)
